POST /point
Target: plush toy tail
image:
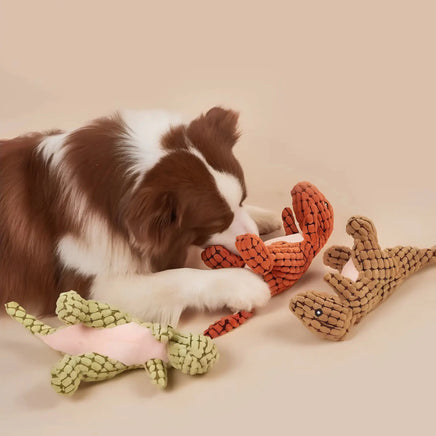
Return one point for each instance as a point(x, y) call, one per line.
point(227, 324)
point(15, 311)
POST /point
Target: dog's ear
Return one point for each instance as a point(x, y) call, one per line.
point(154, 219)
point(150, 214)
point(224, 122)
point(217, 128)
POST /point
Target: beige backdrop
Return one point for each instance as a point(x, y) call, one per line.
point(341, 93)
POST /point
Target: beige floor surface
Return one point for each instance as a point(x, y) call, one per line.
point(340, 93)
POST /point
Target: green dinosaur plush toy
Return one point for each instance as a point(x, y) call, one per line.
point(101, 342)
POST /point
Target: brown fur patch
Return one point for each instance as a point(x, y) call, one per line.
point(30, 221)
point(214, 134)
point(100, 166)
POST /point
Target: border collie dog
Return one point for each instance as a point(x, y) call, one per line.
point(113, 208)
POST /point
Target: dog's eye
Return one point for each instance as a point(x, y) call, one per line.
point(318, 312)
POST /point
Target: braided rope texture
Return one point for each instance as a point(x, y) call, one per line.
point(32, 324)
point(191, 354)
point(379, 274)
point(227, 324)
point(280, 263)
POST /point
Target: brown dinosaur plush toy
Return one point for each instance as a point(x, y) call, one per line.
point(367, 276)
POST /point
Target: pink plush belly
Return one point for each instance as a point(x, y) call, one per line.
point(129, 343)
point(350, 271)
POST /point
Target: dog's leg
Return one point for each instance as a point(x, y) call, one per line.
point(162, 297)
point(266, 220)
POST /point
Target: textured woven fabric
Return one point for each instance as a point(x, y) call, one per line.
point(189, 353)
point(227, 323)
point(379, 272)
point(280, 263)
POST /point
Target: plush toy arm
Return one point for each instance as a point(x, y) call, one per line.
point(71, 308)
point(255, 253)
point(71, 370)
point(157, 371)
point(289, 221)
point(217, 256)
point(337, 256)
point(345, 287)
point(67, 375)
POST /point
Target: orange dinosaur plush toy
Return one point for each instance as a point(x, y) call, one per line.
point(281, 261)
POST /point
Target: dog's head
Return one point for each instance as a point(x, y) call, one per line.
point(194, 195)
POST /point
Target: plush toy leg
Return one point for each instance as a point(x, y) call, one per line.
point(71, 370)
point(255, 253)
point(337, 256)
point(71, 308)
point(227, 324)
point(217, 257)
point(363, 231)
point(157, 371)
point(192, 354)
point(67, 375)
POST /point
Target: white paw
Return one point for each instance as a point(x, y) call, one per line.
point(267, 221)
point(248, 292)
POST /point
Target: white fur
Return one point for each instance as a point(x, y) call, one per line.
point(145, 130)
point(163, 296)
point(98, 251)
point(52, 147)
point(242, 223)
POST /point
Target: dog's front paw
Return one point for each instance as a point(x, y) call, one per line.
point(248, 293)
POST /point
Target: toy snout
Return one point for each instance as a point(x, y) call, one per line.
point(325, 315)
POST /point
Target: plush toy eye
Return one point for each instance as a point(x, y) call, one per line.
point(326, 204)
point(318, 312)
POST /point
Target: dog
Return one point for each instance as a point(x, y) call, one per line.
point(114, 208)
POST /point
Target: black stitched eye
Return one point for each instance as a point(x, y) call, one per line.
point(318, 312)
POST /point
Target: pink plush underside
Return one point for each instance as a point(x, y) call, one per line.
point(294, 238)
point(130, 343)
point(350, 271)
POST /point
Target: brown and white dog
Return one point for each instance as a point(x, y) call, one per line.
point(111, 210)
